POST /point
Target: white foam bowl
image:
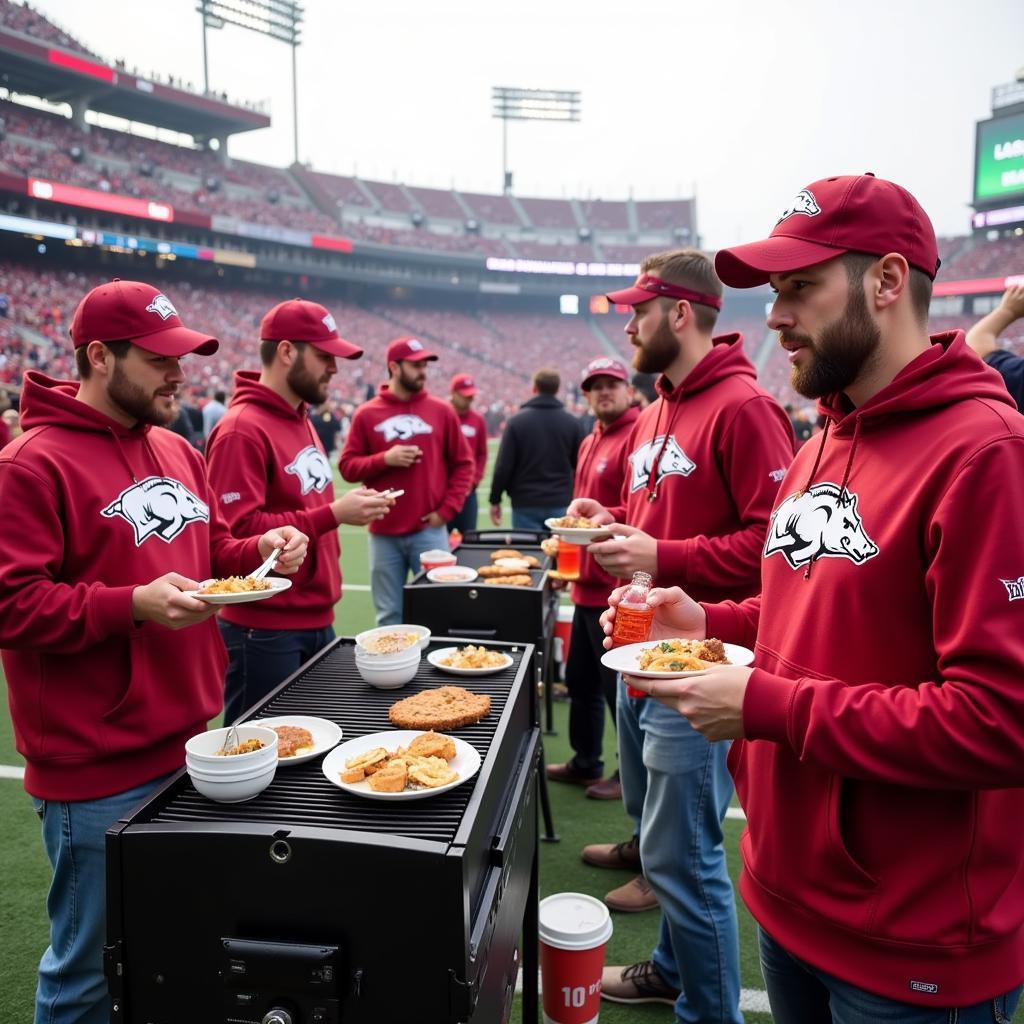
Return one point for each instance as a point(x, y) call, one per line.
point(388, 675)
point(201, 750)
point(233, 788)
point(421, 631)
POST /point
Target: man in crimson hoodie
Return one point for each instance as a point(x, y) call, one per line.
point(880, 735)
point(107, 526)
point(405, 438)
point(599, 473)
point(474, 430)
point(704, 464)
point(267, 465)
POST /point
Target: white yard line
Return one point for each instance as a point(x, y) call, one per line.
point(10, 772)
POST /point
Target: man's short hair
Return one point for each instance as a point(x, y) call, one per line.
point(857, 263)
point(689, 268)
point(268, 349)
point(547, 381)
point(118, 348)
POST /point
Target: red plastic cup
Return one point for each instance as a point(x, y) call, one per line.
point(436, 558)
point(574, 930)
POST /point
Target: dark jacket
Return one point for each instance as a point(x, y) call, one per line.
point(537, 455)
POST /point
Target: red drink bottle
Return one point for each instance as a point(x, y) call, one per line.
point(633, 618)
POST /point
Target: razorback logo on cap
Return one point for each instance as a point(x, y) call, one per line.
point(803, 202)
point(413, 345)
point(329, 323)
point(162, 306)
point(604, 363)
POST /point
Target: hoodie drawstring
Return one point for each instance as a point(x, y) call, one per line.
point(817, 462)
point(849, 461)
point(121, 452)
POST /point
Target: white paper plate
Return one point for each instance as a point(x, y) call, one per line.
point(452, 574)
point(466, 763)
point(624, 660)
point(578, 535)
point(326, 734)
point(434, 657)
point(277, 585)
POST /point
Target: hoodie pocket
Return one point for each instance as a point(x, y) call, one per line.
point(838, 802)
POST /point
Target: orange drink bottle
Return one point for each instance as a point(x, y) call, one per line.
point(568, 559)
point(633, 618)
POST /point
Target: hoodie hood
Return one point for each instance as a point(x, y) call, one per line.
point(46, 402)
point(726, 359)
point(249, 391)
point(388, 395)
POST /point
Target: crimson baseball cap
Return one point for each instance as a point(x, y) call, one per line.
point(302, 320)
point(464, 384)
point(136, 312)
point(852, 213)
point(409, 350)
point(647, 286)
point(603, 366)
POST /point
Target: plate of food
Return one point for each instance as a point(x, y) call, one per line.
point(239, 589)
point(402, 764)
point(452, 574)
point(440, 709)
point(578, 529)
point(300, 738)
point(674, 658)
point(469, 661)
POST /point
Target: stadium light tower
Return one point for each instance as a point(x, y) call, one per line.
point(511, 104)
point(279, 19)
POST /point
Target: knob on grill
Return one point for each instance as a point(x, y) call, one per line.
point(277, 1016)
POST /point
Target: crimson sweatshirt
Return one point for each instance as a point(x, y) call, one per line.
point(721, 445)
point(101, 703)
point(474, 430)
point(599, 473)
point(439, 482)
point(884, 760)
point(268, 467)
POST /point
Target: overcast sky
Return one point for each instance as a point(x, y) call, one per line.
point(743, 102)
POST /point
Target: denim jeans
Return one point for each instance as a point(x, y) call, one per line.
point(528, 517)
point(260, 659)
point(467, 515)
point(801, 994)
point(591, 686)
point(676, 785)
point(391, 561)
point(72, 987)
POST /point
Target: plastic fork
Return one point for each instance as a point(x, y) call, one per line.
point(269, 564)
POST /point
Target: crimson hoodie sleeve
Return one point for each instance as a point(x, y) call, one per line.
point(734, 622)
point(458, 458)
point(358, 463)
point(36, 611)
point(965, 728)
point(237, 464)
point(755, 446)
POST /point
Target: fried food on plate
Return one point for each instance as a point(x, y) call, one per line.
point(447, 707)
point(235, 585)
point(432, 744)
point(678, 655)
point(431, 772)
point(510, 581)
point(392, 778)
point(368, 761)
point(491, 571)
point(505, 553)
point(424, 764)
point(474, 657)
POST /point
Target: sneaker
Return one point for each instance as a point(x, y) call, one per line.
point(568, 773)
point(638, 983)
point(633, 897)
point(625, 856)
point(606, 789)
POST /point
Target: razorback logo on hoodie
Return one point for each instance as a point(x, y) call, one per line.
point(674, 462)
point(818, 523)
point(312, 469)
point(468, 430)
point(402, 427)
point(157, 507)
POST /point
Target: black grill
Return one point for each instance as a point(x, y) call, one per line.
point(295, 900)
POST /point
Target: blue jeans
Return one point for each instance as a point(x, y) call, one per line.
point(528, 517)
point(467, 516)
point(260, 659)
point(676, 786)
point(801, 994)
point(72, 987)
point(391, 561)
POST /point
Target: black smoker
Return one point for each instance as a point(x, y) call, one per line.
point(309, 905)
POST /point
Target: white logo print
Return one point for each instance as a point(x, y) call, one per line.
point(401, 428)
point(328, 322)
point(1014, 588)
point(674, 462)
point(776, 475)
point(157, 506)
point(468, 430)
point(817, 524)
point(162, 306)
point(312, 469)
point(805, 203)
point(414, 346)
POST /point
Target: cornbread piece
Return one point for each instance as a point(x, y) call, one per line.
point(390, 779)
point(432, 744)
point(447, 707)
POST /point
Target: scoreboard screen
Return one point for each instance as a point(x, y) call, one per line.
point(999, 160)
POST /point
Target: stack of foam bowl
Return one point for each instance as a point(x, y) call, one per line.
point(231, 778)
point(390, 669)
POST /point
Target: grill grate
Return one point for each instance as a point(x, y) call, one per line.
point(332, 688)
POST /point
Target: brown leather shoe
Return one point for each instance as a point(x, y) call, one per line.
point(638, 983)
point(633, 897)
point(624, 856)
point(566, 773)
point(606, 789)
